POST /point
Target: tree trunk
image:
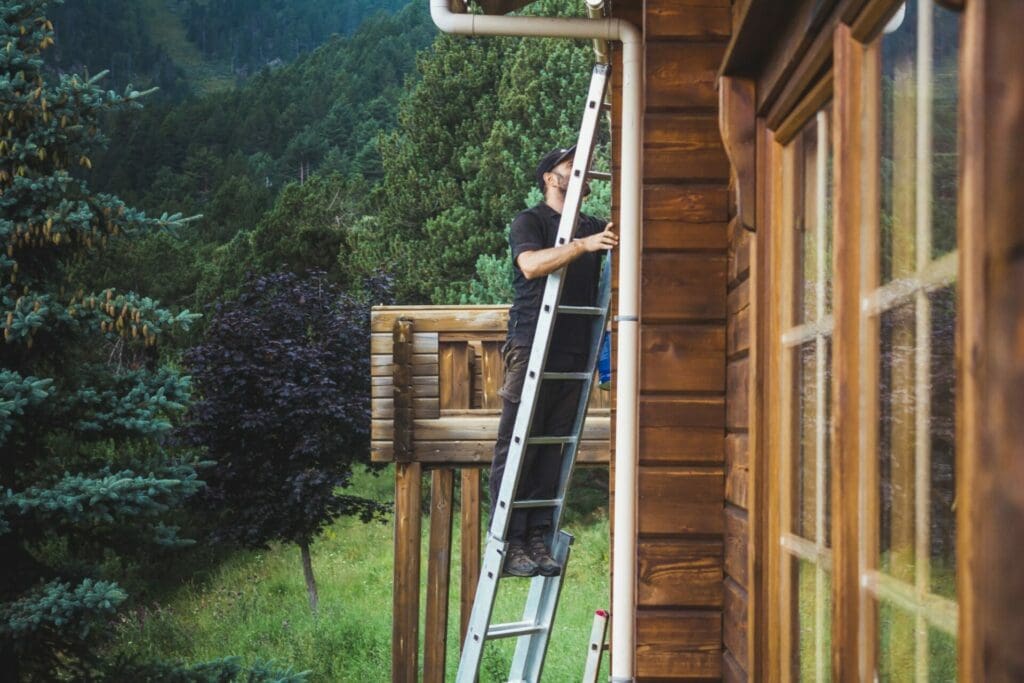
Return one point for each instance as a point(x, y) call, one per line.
point(307, 570)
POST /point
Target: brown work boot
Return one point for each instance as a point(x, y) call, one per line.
point(540, 553)
point(518, 562)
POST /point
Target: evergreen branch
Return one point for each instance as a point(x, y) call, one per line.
point(16, 394)
point(137, 403)
point(58, 605)
point(104, 498)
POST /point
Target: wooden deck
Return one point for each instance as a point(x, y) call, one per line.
point(456, 372)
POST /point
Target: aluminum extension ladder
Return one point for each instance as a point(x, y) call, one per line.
point(533, 631)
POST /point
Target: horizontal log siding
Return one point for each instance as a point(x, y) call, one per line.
point(684, 334)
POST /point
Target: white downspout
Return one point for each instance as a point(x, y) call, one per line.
point(627, 380)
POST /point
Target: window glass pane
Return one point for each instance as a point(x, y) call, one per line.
point(896, 431)
point(899, 141)
point(916, 430)
point(813, 218)
point(805, 460)
point(942, 431)
point(945, 100)
point(941, 656)
point(896, 643)
point(812, 622)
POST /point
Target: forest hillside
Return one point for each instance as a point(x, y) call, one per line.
point(186, 276)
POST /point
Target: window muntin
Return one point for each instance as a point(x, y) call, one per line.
point(909, 308)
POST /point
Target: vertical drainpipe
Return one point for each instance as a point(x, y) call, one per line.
point(628, 317)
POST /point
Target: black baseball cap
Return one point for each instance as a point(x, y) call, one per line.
point(550, 160)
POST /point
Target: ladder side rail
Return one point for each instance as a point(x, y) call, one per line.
point(480, 615)
point(545, 603)
point(528, 658)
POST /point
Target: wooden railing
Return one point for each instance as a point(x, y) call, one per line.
point(436, 374)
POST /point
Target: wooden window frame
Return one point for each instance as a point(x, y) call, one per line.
point(856, 211)
point(784, 336)
point(877, 298)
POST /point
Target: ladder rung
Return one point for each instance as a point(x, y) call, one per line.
point(599, 175)
point(538, 503)
point(606, 105)
point(549, 440)
point(513, 629)
point(581, 310)
point(582, 376)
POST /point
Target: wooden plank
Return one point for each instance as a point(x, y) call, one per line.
point(681, 146)
point(439, 563)
point(402, 429)
point(738, 123)
point(734, 621)
point(737, 469)
point(405, 608)
point(444, 318)
point(737, 405)
point(480, 453)
point(680, 500)
point(687, 203)
point(677, 572)
point(738, 326)
point(493, 371)
point(679, 644)
point(423, 342)
point(682, 358)
point(691, 19)
point(455, 385)
point(681, 430)
point(386, 370)
point(422, 408)
point(681, 235)
point(990, 348)
point(676, 287)
point(474, 428)
point(422, 387)
point(736, 545)
point(470, 553)
point(682, 75)
point(740, 241)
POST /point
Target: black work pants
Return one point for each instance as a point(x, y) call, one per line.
point(554, 415)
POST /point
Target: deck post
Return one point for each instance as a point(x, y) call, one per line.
point(470, 519)
point(406, 592)
point(439, 562)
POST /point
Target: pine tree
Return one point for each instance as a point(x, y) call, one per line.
point(85, 476)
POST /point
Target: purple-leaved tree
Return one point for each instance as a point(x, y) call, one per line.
point(283, 378)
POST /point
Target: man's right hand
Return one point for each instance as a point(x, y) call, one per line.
point(602, 240)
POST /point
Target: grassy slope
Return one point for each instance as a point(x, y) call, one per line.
point(167, 31)
point(254, 605)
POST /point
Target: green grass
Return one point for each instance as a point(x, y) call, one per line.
point(254, 605)
point(167, 30)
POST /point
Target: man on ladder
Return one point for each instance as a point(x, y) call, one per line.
point(535, 256)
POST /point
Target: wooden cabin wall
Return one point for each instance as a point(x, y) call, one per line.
point(683, 341)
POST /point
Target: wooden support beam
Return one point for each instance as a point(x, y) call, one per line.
point(737, 120)
point(990, 349)
point(439, 562)
point(405, 607)
point(470, 519)
point(402, 437)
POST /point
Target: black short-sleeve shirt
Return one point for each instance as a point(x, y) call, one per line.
point(537, 228)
